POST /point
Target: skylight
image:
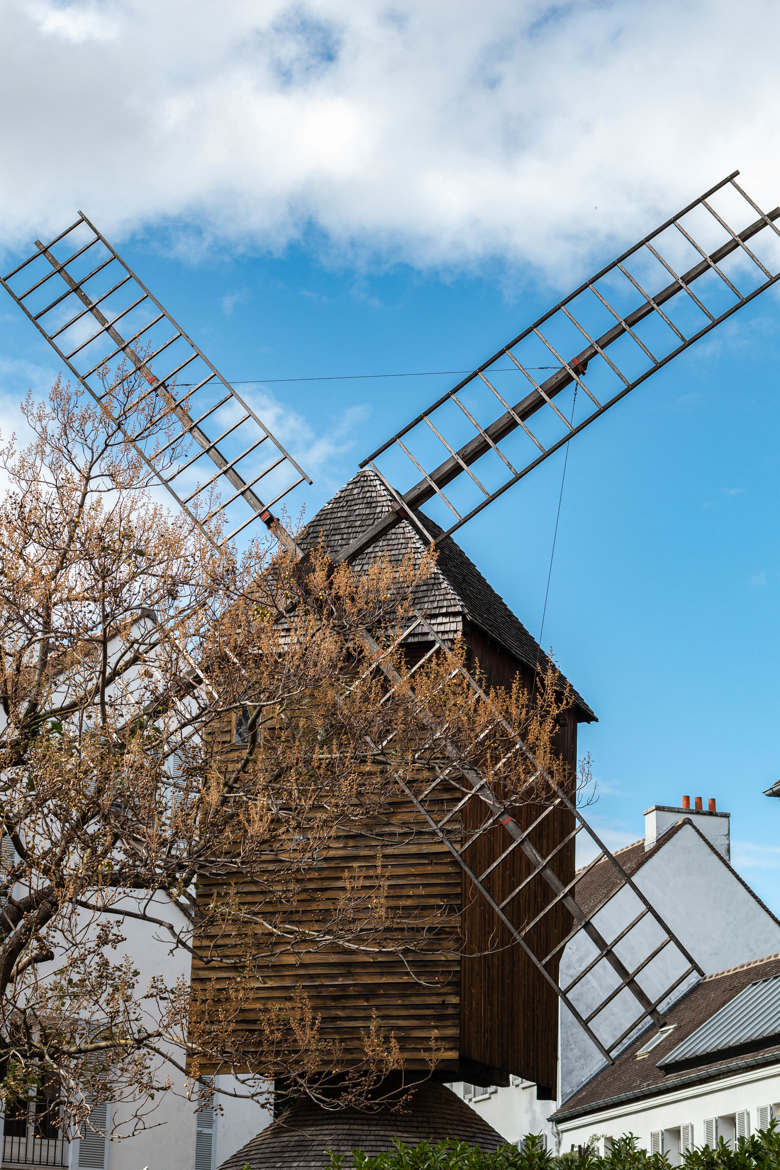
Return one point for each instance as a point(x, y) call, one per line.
point(656, 1039)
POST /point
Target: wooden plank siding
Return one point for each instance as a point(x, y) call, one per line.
point(406, 983)
point(509, 1013)
point(492, 1012)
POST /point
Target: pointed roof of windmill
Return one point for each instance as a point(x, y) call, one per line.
point(454, 596)
point(302, 1138)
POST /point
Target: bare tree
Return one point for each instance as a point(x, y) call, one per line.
point(176, 716)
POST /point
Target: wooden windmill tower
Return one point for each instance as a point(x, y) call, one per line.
point(508, 870)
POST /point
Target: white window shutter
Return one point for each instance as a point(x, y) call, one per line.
point(92, 1145)
point(206, 1129)
point(657, 1141)
point(743, 1124)
point(764, 1116)
point(686, 1138)
point(711, 1131)
point(205, 1134)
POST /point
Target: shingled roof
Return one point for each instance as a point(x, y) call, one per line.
point(302, 1137)
point(454, 595)
point(634, 1076)
point(599, 883)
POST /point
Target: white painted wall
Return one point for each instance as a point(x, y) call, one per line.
point(238, 1124)
point(693, 1105)
point(715, 826)
point(709, 909)
point(703, 903)
point(171, 1144)
point(513, 1111)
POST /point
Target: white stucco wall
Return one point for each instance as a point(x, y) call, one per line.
point(170, 1145)
point(240, 1121)
point(703, 903)
point(513, 1111)
point(689, 1106)
point(715, 826)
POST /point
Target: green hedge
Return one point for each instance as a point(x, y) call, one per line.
point(759, 1152)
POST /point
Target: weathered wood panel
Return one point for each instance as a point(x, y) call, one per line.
point(509, 1013)
point(461, 988)
point(401, 976)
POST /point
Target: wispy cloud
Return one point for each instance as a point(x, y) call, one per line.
point(321, 454)
point(17, 376)
point(423, 133)
point(615, 834)
point(231, 299)
point(755, 855)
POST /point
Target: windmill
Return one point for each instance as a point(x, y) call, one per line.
point(514, 868)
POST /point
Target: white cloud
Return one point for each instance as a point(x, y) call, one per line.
point(754, 855)
point(437, 133)
point(76, 23)
point(230, 300)
point(320, 453)
point(614, 834)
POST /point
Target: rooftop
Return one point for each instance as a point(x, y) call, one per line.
point(600, 883)
point(694, 1024)
point(299, 1139)
point(455, 595)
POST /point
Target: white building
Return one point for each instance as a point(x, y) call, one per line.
point(682, 866)
point(712, 1071)
point(178, 1135)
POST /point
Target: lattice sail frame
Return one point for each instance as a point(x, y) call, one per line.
point(620, 960)
point(77, 279)
point(620, 979)
point(610, 328)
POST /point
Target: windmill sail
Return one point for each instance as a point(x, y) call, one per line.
point(111, 331)
point(607, 337)
point(620, 964)
point(602, 341)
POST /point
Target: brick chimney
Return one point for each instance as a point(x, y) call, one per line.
point(714, 825)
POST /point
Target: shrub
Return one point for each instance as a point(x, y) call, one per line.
point(761, 1151)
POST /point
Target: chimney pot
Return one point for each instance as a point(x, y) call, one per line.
point(686, 802)
point(698, 804)
point(712, 804)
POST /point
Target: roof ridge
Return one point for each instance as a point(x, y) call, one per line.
point(739, 967)
point(456, 591)
point(614, 852)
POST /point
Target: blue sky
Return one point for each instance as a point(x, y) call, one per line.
point(663, 607)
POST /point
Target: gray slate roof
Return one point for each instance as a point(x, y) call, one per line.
point(633, 1078)
point(456, 593)
point(300, 1138)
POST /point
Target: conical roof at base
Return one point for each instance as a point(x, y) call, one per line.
point(300, 1139)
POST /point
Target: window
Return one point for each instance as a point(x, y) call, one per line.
point(671, 1144)
point(32, 1132)
point(533, 1142)
point(728, 1126)
point(241, 732)
point(765, 1114)
point(477, 1092)
point(660, 1035)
